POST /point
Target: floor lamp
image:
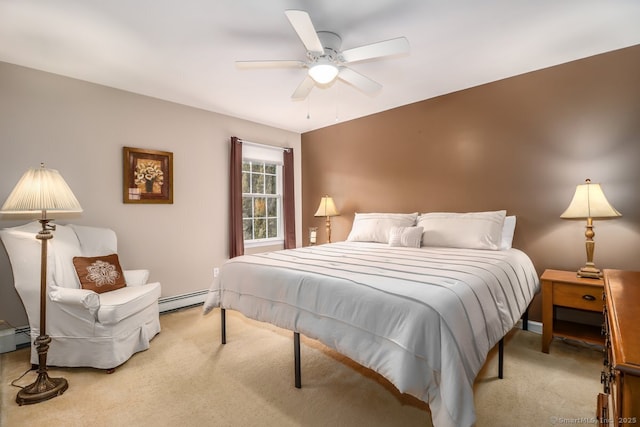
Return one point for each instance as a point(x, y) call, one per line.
point(327, 209)
point(589, 202)
point(38, 191)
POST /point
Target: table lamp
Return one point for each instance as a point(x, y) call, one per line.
point(588, 203)
point(327, 209)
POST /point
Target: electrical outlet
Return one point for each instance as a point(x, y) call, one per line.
point(216, 271)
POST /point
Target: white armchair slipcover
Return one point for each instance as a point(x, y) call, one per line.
point(86, 328)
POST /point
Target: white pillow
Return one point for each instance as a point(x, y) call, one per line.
point(409, 237)
point(375, 227)
point(508, 229)
point(472, 230)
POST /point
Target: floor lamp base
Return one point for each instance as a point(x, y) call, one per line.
point(44, 388)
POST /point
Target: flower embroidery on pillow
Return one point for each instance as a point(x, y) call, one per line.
point(102, 273)
point(99, 274)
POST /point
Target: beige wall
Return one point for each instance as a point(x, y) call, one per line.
point(520, 144)
point(80, 128)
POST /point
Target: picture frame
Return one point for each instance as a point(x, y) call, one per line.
point(147, 176)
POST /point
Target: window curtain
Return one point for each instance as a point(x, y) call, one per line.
point(288, 200)
point(236, 236)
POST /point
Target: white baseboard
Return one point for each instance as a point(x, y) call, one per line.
point(166, 304)
point(181, 301)
point(23, 336)
point(7, 337)
point(533, 326)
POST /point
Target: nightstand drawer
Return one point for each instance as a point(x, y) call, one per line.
point(578, 296)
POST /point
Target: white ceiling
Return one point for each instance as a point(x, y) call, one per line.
point(185, 50)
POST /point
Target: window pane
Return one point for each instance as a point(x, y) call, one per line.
point(247, 205)
point(260, 230)
point(259, 207)
point(247, 229)
point(261, 214)
point(273, 227)
point(246, 182)
point(257, 183)
point(272, 207)
point(271, 186)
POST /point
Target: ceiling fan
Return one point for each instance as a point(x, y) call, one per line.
point(325, 61)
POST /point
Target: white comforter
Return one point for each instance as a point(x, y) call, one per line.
point(423, 318)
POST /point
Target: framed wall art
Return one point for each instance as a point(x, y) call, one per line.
point(147, 176)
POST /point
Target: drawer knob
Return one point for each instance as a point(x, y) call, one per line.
point(588, 297)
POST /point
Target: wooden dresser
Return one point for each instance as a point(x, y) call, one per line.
point(619, 404)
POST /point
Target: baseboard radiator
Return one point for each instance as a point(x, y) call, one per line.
point(166, 305)
point(23, 337)
point(177, 302)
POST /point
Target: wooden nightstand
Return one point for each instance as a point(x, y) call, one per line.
point(566, 289)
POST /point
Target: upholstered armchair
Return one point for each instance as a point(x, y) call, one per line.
point(89, 325)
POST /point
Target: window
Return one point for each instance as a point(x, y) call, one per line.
point(261, 201)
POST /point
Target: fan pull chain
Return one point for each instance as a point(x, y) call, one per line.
point(339, 92)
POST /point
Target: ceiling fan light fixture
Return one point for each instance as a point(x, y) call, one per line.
point(323, 72)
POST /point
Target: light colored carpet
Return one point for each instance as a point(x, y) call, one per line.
point(188, 378)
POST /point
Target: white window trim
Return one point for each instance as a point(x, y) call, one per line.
point(269, 241)
point(273, 241)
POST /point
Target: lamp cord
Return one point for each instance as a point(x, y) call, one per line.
point(13, 383)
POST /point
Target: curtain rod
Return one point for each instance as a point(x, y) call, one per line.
point(271, 147)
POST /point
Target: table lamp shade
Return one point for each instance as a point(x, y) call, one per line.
point(327, 207)
point(41, 190)
point(589, 201)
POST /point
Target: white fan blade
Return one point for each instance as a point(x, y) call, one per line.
point(356, 79)
point(271, 64)
point(377, 50)
point(303, 89)
point(301, 22)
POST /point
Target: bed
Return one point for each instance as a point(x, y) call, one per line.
point(424, 317)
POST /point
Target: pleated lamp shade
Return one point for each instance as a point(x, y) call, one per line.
point(41, 190)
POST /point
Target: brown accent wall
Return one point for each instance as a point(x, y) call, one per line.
point(520, 144)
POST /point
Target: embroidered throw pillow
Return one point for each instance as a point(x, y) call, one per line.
point(100, 273)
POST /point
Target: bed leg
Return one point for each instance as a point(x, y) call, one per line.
point(500, 357)
point(296, 358)
point(525, 320)
point(223, 325)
